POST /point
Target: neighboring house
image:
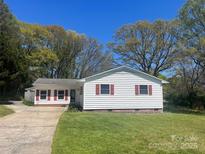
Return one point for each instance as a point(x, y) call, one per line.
point(121, 88)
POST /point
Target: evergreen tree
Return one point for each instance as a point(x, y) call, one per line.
point(11, 58)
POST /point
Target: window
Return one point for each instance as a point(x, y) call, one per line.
point(105, 89)
point(60, 94)
point(43, 94)
point(81, 90)
point(143, 89)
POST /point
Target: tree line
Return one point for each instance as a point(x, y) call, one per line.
point(30, 51)
point(176, 46)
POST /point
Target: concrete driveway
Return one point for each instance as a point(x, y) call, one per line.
point(28, 131)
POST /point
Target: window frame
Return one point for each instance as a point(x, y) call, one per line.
point(108, 90)
point(147, 92)
point(61, 95)
point(46, 95)
point(81, 90)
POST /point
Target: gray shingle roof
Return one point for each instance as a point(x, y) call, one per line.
point(55, 81)
point(73, 81)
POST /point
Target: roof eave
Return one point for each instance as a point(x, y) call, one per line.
point(129, 68)
point(164, 82)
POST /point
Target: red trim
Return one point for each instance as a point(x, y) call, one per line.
point(136, 89)
point(112, 89)
point(55, 95)
point(66, 94)
point(37, 95)
point(37, 98)
point(97, 89)
point(49, 95)
point(150, 89)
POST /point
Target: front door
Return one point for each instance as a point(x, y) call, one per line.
point(72, 95)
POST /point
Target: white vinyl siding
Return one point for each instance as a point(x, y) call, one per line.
point(124, 93)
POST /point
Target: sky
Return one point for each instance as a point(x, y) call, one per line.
point(98, 19)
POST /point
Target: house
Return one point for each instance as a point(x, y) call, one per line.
point(119, 89)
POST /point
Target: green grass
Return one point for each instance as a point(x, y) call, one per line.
point(116, 133)
point(5, 111)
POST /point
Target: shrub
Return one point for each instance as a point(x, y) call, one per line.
point(73, 107)
point(28, 103)
point(191, 101)
point(178, 100)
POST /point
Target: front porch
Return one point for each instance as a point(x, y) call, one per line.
point(56, 92)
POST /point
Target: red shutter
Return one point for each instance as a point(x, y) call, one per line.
point(136, 89)
point(55, 95)
point(97, 89)
point(112, 89)
point(150, 89)
point(37, 95)
point(66, 94)
point(49, 95)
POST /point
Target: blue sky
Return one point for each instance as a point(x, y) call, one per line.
point(95, 18)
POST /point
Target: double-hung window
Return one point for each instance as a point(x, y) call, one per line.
point(43, 94)
point(105, 89)
point(61, 94)
point(143, 89)
point(81, 90)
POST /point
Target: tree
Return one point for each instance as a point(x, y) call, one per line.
point(34, 37)
point(42, 63)
point(192, 43)
point(42, 60)
point(185, 86)
point(190, 73)
point(190, 65)
point(150, 47)
point(56, 53)
point(12, 62)
point(91, 59)
point(66, 45)
point(192, 19)
point(50, 42)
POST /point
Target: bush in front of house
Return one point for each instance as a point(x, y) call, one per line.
point(74, 107)
point(28, 103)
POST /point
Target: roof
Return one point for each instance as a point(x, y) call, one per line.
point(73, 81)
point(30, 88)
point(124, 68)
point(55, 81)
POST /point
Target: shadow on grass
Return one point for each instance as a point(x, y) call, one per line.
point(6, 103)
point(8, 100)
point(10, 97)
point(183, 110)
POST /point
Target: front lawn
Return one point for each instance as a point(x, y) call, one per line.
point(5, 110)
point(116, 133)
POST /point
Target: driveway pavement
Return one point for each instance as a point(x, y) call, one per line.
point(29, 130)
